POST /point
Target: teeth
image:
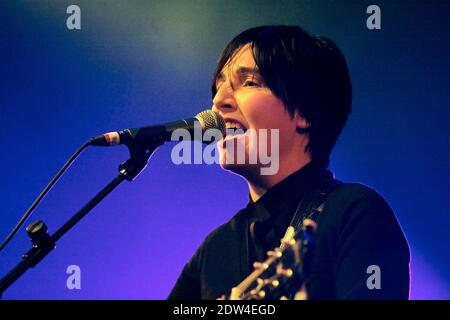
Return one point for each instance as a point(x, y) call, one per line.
point(233, 125)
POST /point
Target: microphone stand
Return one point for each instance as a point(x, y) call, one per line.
point(43, 243)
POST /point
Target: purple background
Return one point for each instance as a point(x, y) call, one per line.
point(138, 63)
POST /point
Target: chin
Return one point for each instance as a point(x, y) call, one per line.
point(244, 170)
point(238, 166)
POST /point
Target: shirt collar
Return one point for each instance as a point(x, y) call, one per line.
point(283, 198)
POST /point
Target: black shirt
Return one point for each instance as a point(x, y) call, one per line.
point(273, 212)
point(357, 230)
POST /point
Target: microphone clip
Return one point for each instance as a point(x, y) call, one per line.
point(139, 156)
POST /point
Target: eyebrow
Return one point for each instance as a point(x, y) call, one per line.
point(241, 71)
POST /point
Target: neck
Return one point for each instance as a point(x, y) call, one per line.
point(260, 184)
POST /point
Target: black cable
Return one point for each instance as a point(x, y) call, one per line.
point(44, 192)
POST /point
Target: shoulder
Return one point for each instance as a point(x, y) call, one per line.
point(355, 200)
point(354, 207)
point(348, 194)
point(227, 229)
point(357, 211)
point(358, 229)
point(227, 233)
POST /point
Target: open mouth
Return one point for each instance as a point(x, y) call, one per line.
point(234, 128)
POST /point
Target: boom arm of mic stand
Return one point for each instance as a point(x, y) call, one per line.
point(43, 243)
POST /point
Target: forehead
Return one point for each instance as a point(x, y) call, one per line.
point(242, 62)
point(242, 58)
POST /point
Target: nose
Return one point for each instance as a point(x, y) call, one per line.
point(223, 101)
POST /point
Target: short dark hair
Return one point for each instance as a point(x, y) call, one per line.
point(308, 73)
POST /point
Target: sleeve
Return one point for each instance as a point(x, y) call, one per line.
point(372, 255)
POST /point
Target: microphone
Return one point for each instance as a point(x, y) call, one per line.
point(161, 133)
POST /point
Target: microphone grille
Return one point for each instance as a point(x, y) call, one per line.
point(211, 120)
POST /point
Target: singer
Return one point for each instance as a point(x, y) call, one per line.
point(280, 77)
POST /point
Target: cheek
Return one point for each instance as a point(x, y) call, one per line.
point(263, 110)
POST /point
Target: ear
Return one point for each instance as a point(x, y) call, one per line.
point(302, 124)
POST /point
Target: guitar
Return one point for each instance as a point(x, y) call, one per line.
point(283, 274)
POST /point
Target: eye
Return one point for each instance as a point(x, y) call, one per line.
point(250, 83)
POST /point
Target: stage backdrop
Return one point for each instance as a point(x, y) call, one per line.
point(136, 63)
